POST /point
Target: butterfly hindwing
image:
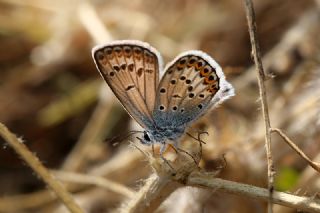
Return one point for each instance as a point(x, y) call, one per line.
point(192, 82)
point(131, 69)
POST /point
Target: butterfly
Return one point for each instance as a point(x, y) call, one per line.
point(190, 84)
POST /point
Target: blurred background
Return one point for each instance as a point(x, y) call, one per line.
point(52, 96)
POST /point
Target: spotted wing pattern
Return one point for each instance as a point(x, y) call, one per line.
point(131, 69)
point(187, 89)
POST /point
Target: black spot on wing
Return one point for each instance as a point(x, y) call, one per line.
point(130, 87)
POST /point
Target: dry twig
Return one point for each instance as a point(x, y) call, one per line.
point(37, 166)
point(314, 165)
point(161, 184)
point(262, 92)
point(94, 180)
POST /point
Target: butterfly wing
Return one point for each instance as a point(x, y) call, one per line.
point(131, 69)
point(192, 83)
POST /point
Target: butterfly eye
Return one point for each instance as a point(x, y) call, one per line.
point(146, 136)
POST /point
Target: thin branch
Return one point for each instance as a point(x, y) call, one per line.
point(24, 202)
point(92, 23)
point(281, 198)
point(92, 133)
point(93, 130)
point(161, 184)
point(262, 92)
point(94, 180)
point(122, 163)
point(314, 165)
point(37, 166)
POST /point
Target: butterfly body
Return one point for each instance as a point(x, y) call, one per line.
point(191, 83)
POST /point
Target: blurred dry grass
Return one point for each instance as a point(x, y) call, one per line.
point(52, 96)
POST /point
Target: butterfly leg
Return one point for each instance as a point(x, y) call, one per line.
point(174, 147)
point(187, 153)
point(162, 149)
point(177, 149)
point(153, 150)
point(198, 139)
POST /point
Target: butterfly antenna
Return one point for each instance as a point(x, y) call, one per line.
point(120, 138)
point(135, 146)
point(141, 141)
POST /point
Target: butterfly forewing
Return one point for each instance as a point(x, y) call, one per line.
point(131, 69)
point(187, 88)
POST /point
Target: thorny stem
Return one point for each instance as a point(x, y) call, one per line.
point(37, 166)
point(262, 92)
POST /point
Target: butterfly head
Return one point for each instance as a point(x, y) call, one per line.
point(146, 139)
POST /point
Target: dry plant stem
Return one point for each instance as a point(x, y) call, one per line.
point(151, 195)
point(18, 203)
point(95, 27)
point(33, 200)
point(37, 166)
point(285, 199)
point(91, 133)
point(92, 23)
point(94, 180)
point(262, 92)
point(314, 165)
